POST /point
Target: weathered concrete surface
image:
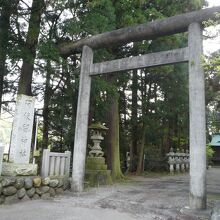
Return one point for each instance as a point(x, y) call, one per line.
point(82, 116)
point(143, 198)
point(143, 61)
point(197, 128)
point(147, 31)
point(18, 169)
point(20, 145)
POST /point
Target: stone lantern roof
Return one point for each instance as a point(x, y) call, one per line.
point(97, 126)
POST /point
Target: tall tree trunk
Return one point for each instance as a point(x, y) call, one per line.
point(134, 118)
point(47, 97)
point(74, 109)
point(24, 86)
point(141, 150)
point(112, 138)
point(123, 106)
point(4, 32)
point(146, 94)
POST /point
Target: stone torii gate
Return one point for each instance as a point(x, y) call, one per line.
point(192, 54)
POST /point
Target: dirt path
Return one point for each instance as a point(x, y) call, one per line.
point(142, 198)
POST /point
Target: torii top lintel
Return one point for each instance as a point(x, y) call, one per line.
point(146, 31)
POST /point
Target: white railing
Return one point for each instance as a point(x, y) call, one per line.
point(55, 164)
point(178, 161)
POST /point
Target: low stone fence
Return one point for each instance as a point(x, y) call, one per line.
point(55, 164)
point(178, 161)
point(15, 189)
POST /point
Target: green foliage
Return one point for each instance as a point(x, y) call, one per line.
point(99, 18)
point(154, 159)
point(100, 89)
point(71, 26)
point(209, 152)
point(47, 51)
point(212, 73)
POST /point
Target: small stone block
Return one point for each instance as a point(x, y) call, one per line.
point(46, 181)
point(13, 169)
point(21, 193)
point(44, 189)
point(2, 199)
point(28, 183)
point(45, 196)
point(37, 181)
point(59, 191)
point(11, 199)
point(19, 183)
point(8, 181)
point(1, 188)
point(36, 196)
point(25, 198)
point(61, 182)
point(52, 192)
point(96, 163)
point(54, 183)
point(197, 213)
point(38, 191)
point(98, 177)
point(31, 192)
point(66, 184)
point(9, 191)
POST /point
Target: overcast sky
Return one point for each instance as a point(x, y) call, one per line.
point(213, 45)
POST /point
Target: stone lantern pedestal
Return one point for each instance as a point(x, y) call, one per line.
point(96, 169)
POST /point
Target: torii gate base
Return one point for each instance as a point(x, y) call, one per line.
point(192, 54)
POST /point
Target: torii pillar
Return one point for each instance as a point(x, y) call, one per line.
point(81, 131)
point(197, 197)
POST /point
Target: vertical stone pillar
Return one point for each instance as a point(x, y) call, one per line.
point(1, 156)
point(45, 163)
point(20, 146)
point(197, 119)
point(81, 131)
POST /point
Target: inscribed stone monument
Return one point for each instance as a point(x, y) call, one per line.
point(22, 130)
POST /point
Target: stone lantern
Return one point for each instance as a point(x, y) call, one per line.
point(97, 130)
point(171, 160)
point(96, 169)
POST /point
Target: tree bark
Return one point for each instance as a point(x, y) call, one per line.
point(4, 30)
point(146, 94)
point(134, 118)
point(24, 86)
point(47, 96)
point(112, 138)
point(141, 150)
point(148, 31)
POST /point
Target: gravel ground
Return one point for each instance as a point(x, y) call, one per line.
point(141, 198)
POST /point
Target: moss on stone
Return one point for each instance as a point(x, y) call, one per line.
point(96, 172)
point(96, 163)
point(95, 178)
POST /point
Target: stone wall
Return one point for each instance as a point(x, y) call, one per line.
point(15, 189)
